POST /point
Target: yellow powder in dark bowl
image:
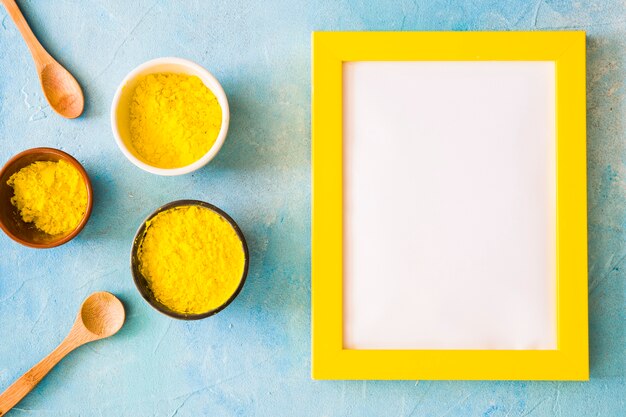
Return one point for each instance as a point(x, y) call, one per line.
point(192, 259)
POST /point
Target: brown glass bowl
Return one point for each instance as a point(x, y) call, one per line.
point(142, 284)
point(10, 220)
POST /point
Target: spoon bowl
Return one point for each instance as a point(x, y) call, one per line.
point(62, 90)
point(102, 314)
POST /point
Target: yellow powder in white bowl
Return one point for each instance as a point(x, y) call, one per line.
point(174, 119)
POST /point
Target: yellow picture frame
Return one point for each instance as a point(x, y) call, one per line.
point(329, 358)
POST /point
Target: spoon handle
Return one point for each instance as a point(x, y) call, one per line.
point(32, 377)
point(40, 55)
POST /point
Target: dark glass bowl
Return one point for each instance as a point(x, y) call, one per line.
point(142, 283)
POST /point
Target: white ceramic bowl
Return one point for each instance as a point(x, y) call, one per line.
point(121, 104)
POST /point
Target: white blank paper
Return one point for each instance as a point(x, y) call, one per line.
point(449, 205)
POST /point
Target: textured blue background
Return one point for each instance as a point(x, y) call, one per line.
point(253, 358)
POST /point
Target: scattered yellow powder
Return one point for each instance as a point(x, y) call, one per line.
point(52, 195)
point(192, 259)
point(174, 119)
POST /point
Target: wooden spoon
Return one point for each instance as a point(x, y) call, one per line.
point(59, 86)
point(101, 315)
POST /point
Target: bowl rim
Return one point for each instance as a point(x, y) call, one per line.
point(68, 158)
point(143, 288)
point(217, 89)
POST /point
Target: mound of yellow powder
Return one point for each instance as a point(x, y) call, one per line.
point(192, 259)
point(174, 119)
point(52, 195)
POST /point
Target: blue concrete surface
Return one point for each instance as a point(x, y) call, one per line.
point(253, 358)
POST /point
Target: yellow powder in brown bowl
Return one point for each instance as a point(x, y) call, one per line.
point(51, 195)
